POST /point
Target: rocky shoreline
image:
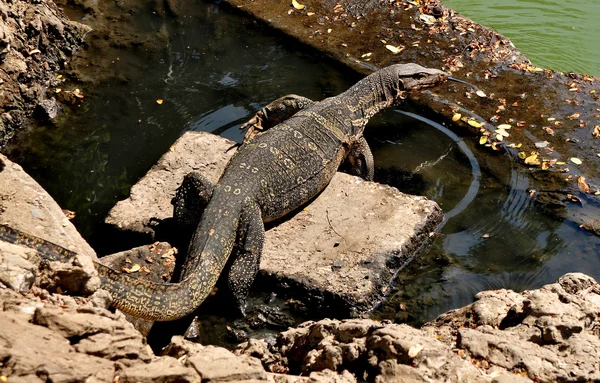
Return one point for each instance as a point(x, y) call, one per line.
point(55, 323)
point(551, 334)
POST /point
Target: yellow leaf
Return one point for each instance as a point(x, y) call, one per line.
point(483, 140)
point(456, 117)
point(561, 163)
point(366, 55)
point(504, 126)
point(133, 269)
point(59, 76)
point(576, 160)
point(474, 123)
point(522, 155)
point(545, 165)
point(297, 5)
point(532, 160)
point(159, 101)
point(309, 13)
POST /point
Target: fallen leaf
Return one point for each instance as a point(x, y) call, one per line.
point(532, 160)
point(504, 126)
point(366, 55)
point(474, 123)
point(309, 13)
point(583, 186)
point(576, 160)
point(499, 137)
point(522, 155)
point(596, 131)
point(414, 350)
point(159, 101)
point(548, 130)
point(393, 49)
point(486, 235)
point(481, 93)
point(34, 52)
point(483, 140)
point(456, 117)
point(573, 116)
point(135, 268)
point(502, 132)
point(297, 5)
point(545, 165)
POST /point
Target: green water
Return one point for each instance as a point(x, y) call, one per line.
point(560, 35)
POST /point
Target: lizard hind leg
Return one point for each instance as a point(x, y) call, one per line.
point(246, 255)
point(191, 199)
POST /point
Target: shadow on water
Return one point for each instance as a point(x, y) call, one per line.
point(495, 235)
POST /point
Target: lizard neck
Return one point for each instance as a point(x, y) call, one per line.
point(369, 96)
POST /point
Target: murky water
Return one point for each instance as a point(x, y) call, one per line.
point(562, 35)
point(498, 237)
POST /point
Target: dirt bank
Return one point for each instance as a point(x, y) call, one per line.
point(36, 41)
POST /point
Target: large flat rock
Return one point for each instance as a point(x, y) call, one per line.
point(26, 206)
point(339, 252)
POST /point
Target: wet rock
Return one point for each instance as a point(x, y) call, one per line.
point(25, 205)
point(341, 243)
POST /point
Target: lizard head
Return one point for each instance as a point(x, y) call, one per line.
point(413, 76)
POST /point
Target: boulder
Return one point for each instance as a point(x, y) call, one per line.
point(26, 206)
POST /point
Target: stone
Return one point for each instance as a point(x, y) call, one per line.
point(346, 247)
point(216, 364)
point(163, 370)
point(26, 206)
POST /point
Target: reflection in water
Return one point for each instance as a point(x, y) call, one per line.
point(495, 235)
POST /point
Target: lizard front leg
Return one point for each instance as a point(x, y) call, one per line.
point(275, 113)
point(246, 255)
point(191, 199)
point(359, 159)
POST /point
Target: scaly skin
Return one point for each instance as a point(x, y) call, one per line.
point(292, 149)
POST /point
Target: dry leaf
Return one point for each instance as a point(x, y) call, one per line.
point(481, 93)
point(486, 235)
point(532, 160)
point(474, 123)
point(133, 269)
point(576, 160)
point(393, 49)
point(504, 126)
point(522, 155)
point(502, 132)
point(159, 101)
point(297, 5)
point(583, 186)
point(596, 131)
point(483, 140)
point(456, 117)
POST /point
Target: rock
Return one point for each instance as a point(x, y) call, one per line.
point(164, 370)
point(345, 247)
point(26, 206)
point(216, 364)
point(16, 271)
point(150, 198)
